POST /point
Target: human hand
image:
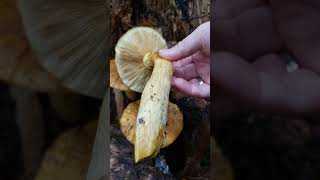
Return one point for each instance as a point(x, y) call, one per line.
point(248, 36)
point(191, 62)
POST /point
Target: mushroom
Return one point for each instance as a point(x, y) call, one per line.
point(18, 63)
point(116, 82)
point(19, 66)
point(143, 70)
point(69, 155)
point(72, 41)
point(173, 128)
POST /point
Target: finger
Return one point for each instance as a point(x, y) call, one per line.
point(243, 81)
point(203, 71)
point(297, 92)
point(192, 88)
point(243, 30)
point(183, 62)
point(295, 21)
point(200, 57)
point(198, 39)
point(187, 72)
point(271, 64)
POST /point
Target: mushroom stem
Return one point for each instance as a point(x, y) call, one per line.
point(148, 60)
point(131, 95)
point(152, 116)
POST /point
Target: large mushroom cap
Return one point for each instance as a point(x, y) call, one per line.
point(71, 39)
point(69, 156)
point(130, 51)
point(115, 80)
point(173, 128)
point(18, 64)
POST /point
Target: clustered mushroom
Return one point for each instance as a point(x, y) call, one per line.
point(142, 70)
point(173, 128)
point(116, 82)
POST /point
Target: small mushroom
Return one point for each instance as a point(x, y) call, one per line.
point(173, 128)
point(143, 70)
point(116, 82)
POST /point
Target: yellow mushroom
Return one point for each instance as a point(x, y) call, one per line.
point(116, 82)
point(143, 70)
point(173, 128)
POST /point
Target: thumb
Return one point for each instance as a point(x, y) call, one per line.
point(188, 46)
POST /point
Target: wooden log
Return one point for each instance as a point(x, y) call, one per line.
point(221, 167)
point(173, 18)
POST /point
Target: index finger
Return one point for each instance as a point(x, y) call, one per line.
point(197, 40)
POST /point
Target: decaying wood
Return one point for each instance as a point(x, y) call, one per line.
point(194, 140)
point(99, 166)
point(69, 156)
point(221, 167)
point(122, 163)
point(174, 18)
point(202, 135)
point(29, 117)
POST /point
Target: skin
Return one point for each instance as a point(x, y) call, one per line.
point(191, 62)
point(248, 39)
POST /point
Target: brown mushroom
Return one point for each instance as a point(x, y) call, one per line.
point(173, 128)
point(143, 70)
point(116, 82)
point(69, 156)
point(72, 41)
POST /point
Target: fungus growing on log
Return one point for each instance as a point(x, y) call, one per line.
point(172, 130)
point(143, 70)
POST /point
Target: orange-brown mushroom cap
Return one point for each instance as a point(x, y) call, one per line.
point(173, 128)
point(115, 80)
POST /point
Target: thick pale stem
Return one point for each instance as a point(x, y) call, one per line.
point(152, 115)
point(148, 60)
